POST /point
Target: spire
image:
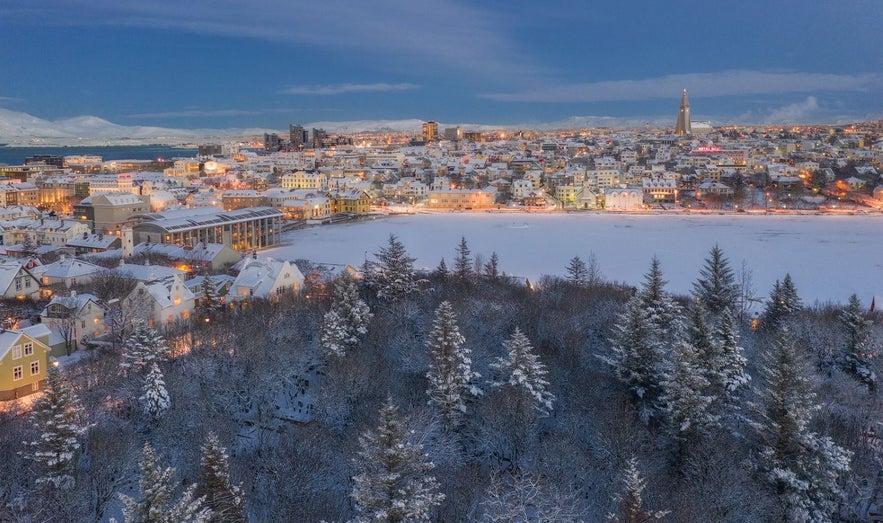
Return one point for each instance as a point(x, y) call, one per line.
point(683, 125)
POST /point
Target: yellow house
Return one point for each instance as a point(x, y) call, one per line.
point(353, 202)
point(24, 359)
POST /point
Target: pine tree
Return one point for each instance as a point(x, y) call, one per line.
point(442, 271)
point(156, 504)
point(858, 351)
point(577, 272)
point(629, 504)
point(522, 373)
point(686, 400)
point(662, 311)
point(463, 261)
point(729, 377)
point(452, 382)
point(347, 322)
point(803, 467)
point(154, 398)
point(395, 276)
point(143, 346)
point(784, 301)
point(28, 247)
point(223, 498)
point(492, 268)
point(717, 287)
point(60, 420)
point(394, 483)
point(209, 300)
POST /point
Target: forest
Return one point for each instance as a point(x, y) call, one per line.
point(463, 394)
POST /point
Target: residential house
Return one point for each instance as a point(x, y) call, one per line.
point(24, 360)
point(72, 319)
point(623, 199)
point(17, 282)
point(67, 271)
point(160, 302)
point(265, 277)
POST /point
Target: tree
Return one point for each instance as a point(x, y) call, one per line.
point(394, 483)
point(858, 351)
point(144, 346)
point(629, 503)
point(157, 489)
point(492, 268)
point(395, 276)
point(662, 311)
point(717, 286)
point(452, 382)
point(686, 400)
point(577, 272)
point(209, 300)
point(60, 420)
point(783, 302)
point(727, 377)
point(803, 467)
point(347, 322)
point(523, 375)
point(442, 270)
point(154, 398)
point(28, 247)
point(463, 261)
point(523, 496)
point(222, 497)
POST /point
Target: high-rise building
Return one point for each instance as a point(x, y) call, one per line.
point(296, 136)
point(272, 142)
point(430, 131)
point(683, 125)
point(453, 134)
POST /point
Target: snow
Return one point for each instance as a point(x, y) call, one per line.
point(829, 257)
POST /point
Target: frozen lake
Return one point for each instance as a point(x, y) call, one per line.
point(829, 257)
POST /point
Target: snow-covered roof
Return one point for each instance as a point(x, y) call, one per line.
point(66, 268)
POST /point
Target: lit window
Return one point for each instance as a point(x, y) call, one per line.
point(29, 349)
point(17, 373)
point(35, 368)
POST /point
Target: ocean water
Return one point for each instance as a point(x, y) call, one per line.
point(17, 155)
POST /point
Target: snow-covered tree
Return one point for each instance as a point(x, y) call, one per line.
point(685, 398)
point(395, 276)
point(209, 299)
point(728, 378)
point(523, 496)
point(394, 483)
point(577, 272)
point(662, 311)
point(154, 398)
point(144, 346)
point(629, 505)
point(784, 301)
point(858, 350)
point(523, 376)
point(803, 467)
point(717, 286)
point(60, 420)
point(157, 485)
point(344, 325)
point(452, 382)
point(442, 270)
point(28, 246)
point(463, 261)
point(224, 498)
point(492, 268)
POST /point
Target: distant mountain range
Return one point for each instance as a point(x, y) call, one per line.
point(22, 129)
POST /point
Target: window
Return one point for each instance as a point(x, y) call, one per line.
point(16, 352)
point(28, 283)
point(29, 349)
point(35, 368)
point(17, 373)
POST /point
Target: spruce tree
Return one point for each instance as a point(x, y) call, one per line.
point(858, 351)
point(577, 272)
point(395, 278)
point(154, 398)
point(347, 322)
point(209, 300)
point(442, 271)
point(629, 505)
point(728, 378)
point(662, 311)
point(28, 247)
point(687, 404)
point(717, 287)
point(463, 261)
point(394, 483)
point(783, 303)
point(523, 376)
point(492, 268)
point(157, 486)
point(802, 467)
point(143, 346)
point(452, 382)
point(60, 420)
point(224, 498)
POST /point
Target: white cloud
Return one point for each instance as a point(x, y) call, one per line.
point(325, 90)
point(794, 113)
point(207, 113)
point(725, 83)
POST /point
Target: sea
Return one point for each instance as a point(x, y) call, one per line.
point(17, 155)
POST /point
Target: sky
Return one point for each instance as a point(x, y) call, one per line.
point(268, 63)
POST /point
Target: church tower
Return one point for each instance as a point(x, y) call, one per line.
point(683, 125)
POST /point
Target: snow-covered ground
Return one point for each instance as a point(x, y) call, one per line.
point(829, 257)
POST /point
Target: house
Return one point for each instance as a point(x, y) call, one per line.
point(265, 277)
point(147, 273)
point(92, 243)
point(18, 282)
point(73, 318)
point(222, 284)
point(24, 359)
point(623, 199)
point(67, 271)
point(160, 302)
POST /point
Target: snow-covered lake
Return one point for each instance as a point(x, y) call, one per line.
point(829, 257)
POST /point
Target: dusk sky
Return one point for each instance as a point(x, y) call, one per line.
point(266, 63)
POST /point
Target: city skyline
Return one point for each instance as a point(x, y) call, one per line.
point(268, 63)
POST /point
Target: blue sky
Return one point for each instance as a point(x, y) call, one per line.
point(266, 63)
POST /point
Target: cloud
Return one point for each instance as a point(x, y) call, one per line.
point(796, 112)
point(725, 83)
point(325, 90)
point(207, 113)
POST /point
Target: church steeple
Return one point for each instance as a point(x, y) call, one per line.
point(683, 125)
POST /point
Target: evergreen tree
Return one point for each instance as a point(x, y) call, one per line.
point(717, 286)
point(209, 300)
point(523, 375)
point(394, 483)
point(577, 272)
point(344, 325)
point(395, 276)
point(803, 467)
point(59, 418)
point(452, 382)
point(728, 378)
point(28, 247)
point(629, 504)
point(686, 400)
point(156, 504)
point(858, 350)
point(144, 346)
point(492, 268)
point(463, 261)
point(442, 271)
point(663, 313)
point(154, 398)
point(784, 301)
point(222, 497)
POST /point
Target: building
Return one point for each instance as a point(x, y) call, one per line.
point(67, 271)
point(430, 131)
point(42, 231)
point(623, 199)
point(265, 277)
point(454, 134)
point(683, 125)
point(161, 302)
point(24, 360)
point(272, 142)
point(242, 199)
point(304, 180)
point(210, 149)
point(19, 194)
point(73, 318)
point(242, 230)
point(464, 199)
point(17, 282)
point(107, 213)
point(296, 137)
point(351, 201)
